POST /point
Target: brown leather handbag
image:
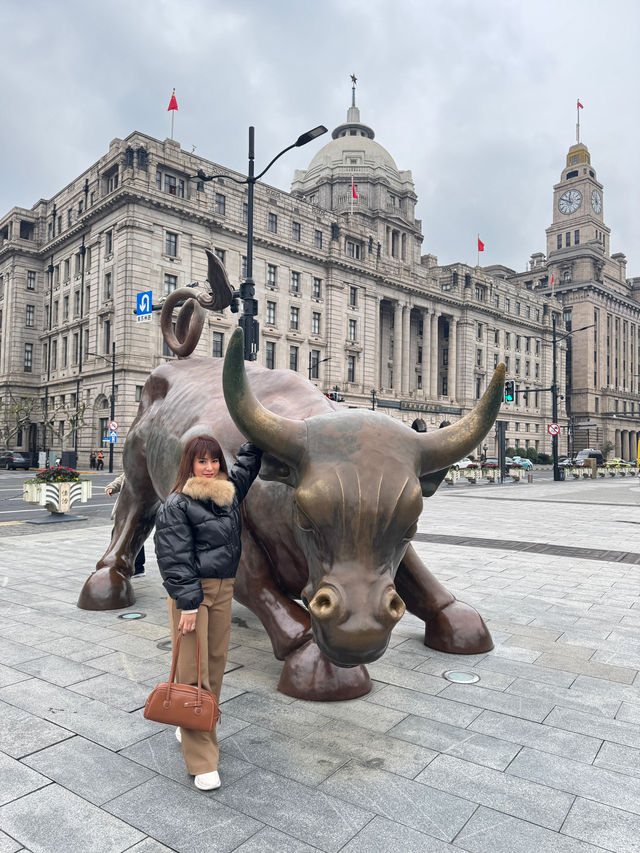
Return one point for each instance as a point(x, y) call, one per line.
point(182, 704)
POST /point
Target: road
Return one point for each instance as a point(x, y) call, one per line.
point(13, 509)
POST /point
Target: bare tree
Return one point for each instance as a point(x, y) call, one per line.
point(65, 419)
point(16, 414)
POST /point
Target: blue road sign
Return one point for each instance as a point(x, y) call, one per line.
point(144, 302)
point(113, 437)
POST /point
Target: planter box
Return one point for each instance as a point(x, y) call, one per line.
point(451, 476)
point(602, 472)
point(632, 472)
point(492, 474)
point(472, 474)
point(57, 497)
point(516, 474)
point(576, 473)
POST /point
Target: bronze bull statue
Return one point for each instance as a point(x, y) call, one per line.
point(329, 522)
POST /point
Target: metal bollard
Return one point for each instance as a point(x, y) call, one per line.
point(529, 478)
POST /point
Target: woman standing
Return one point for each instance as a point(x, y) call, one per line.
point(198, 548)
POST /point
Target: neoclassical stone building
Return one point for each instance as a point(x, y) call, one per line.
point(346, 295)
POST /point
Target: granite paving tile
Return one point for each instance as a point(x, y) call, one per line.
point(492, 700)
point(385, 836)
point(132, 668)
point(595, 783)
point(367, 714)
point(298, 760)
point(13, 653)
point(423, 705)
point(521, 669)
point(622, 674)
point(539, 645)
point(420, 807)
point(162, 754)
point(73, 648)
point(94, 773)
point(293, 720)
point(629, 713)
point(269, 840)
point(57, 670)
point(195, 820)
point(491, 788)
point(248, 680)
point(610, 689)
point(9, 845)
point(113, 690)
point(54, 819)
point(621, 759)
point(16, 780)
point(616, 731)
point(9, 675)
point(22, 733)
point(566, 697)
point(149, 845)
point(413, 679)
point(612, 829)
point(537, 735)
point(452, 740)
point(491, 679)
point(138, 647)
point(490, 831)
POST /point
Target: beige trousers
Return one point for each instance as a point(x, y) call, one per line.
point(213, 627)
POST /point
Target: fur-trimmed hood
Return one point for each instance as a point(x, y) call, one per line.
point(218, 489)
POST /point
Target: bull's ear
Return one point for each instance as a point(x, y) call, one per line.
point(429, 483)
point(274, 469)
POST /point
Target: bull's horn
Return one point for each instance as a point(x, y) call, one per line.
point(442, 448)
point(282, 437)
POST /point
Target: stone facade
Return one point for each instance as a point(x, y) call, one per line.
point(345, 294)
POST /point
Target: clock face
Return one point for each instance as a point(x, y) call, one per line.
point(570, 201)
point(596, 201)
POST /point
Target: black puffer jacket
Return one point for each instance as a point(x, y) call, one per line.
point(198, 530)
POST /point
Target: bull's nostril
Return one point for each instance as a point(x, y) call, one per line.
point(396, 607)
point(323, 604)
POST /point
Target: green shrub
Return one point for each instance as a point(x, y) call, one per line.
point(544, 459)
point(56, 475)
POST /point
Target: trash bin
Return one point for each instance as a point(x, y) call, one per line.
point(562, 472)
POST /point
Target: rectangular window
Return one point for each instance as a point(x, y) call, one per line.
point(294, 317)
point(87, 260)
point(317, 239)
point(478, 358)
point(507, 305)
point(221, 204)
point(218, 344)
point(31, 314)
point(171, 244)
point(107, 286)
point(272, 223)
point(351, 368)
point(107, 336)
point(419, 359)
point(104, 427)
point(31, 280)
point(138, 393)
point(76, 303)
point(517, 365)
point(296, 231)
point(314, 361)
point(293, 358)
point(496, 337)
point(352, 249)
point(517, 342)
point(65, 351)
point(576, 238)
point(271, 313)
point(518, 308)
point(243, 266)
point(353, 296)
point(495, 360)
point(221, 254)
point(67, 270)
point(170, 283)
point(315, 323)
point(55, 313)
point(270, 355)
point(108, 242)
point(272, 275)
point(54, 354)
point(559, 241)
point(352, 330)
point(567, 238)
point(479, 332)
point(317, 288)
point(28, 358)
point(245, 212)
point(76, 347)
point(87, 297)
point(166, 349)
point(295, 282)
point(65, 308)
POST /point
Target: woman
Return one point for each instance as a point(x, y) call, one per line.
point(198, 547)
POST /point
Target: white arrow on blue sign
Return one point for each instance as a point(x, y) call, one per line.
point(144, 303)
point(113, 437)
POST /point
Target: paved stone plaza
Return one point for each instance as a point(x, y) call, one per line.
point(542, 754)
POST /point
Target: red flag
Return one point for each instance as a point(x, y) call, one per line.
point(173, 104)
point(480, 245)
point(354, 194)
point(553, 278)
point(580, 107)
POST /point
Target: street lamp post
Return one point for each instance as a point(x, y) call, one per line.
point(113, 392)
point(247, 320)
point(314, 364)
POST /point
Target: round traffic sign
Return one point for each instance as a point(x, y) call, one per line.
point(553, 429)
point(113, 425)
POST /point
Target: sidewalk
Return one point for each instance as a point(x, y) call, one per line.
point(542, 754)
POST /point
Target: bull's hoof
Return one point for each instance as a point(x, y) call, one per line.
point(106, 589)
point(308, 674)
point(458, 630)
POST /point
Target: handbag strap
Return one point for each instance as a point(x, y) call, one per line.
point(174, 664)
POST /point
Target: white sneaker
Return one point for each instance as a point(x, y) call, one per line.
point(178, 735)
point(207, 781)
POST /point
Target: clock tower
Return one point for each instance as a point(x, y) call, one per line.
point(577, 206)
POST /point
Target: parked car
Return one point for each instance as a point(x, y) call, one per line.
point(523, 462)
point(12, 459)
point(589, 453)
point(464, 463)
point(491, 462)
point(566, 463)
point(617, 462)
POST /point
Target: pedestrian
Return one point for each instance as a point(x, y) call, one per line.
point(113, 488)
point(198, 548)
point(92, 460)
point(100, 460)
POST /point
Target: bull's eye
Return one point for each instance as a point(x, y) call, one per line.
point(302, 520)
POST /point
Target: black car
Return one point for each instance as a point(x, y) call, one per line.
point(12, 459)
point(490, 462)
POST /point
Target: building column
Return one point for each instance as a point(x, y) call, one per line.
point(397, 347)
point(426, 352)
point(453, 362)
point(433, 356)
point(406, 349)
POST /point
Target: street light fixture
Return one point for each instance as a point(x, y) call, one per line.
point(247, 320)
point(113, 392)
point(554, 390)
point(314, 364)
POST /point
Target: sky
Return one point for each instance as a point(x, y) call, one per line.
point(476, 97)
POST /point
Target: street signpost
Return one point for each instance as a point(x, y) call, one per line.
point(144, 306)
point(553, 429)
point(113, 426)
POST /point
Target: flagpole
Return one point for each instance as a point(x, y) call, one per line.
point(578, 120)
point(172, 117)
point(478, 245)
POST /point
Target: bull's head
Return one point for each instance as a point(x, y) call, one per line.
point(359, 477)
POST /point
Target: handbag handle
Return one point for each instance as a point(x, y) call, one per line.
point(174, 664)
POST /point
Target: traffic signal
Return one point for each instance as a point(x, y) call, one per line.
point(509, 391)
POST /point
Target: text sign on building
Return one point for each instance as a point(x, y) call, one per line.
point(144, 303)
point(553, 429)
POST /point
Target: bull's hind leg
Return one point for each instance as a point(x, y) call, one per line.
point(108, 588)
point(451, 625)
point(307, 673)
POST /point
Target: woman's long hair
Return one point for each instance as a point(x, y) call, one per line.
point(201, 445)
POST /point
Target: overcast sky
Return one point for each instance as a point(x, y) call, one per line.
point(477, 99)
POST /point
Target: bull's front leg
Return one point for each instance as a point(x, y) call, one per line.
point(307, 673)
point(451, 625)
point(108, 588)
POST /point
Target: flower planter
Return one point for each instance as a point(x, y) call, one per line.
point(576, 473)
point(516, 474)
point(602, 472)
point(57, 497)
point(633, 471)
point(452, 476)
point(612, 472)
point(472, 474)
point(492, 474)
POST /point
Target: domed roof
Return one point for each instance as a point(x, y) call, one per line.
point(341, 150)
